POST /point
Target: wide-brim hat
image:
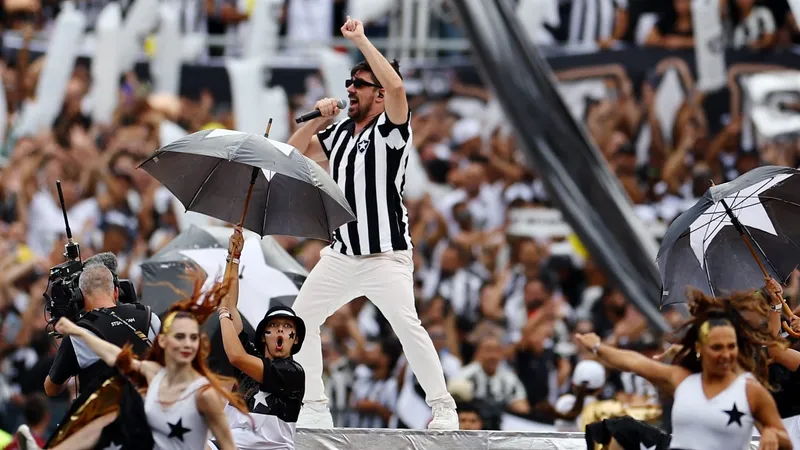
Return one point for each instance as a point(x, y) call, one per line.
point(281, 311)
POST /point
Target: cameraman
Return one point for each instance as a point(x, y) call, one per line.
point(104, 319)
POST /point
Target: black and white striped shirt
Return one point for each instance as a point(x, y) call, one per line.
point(370, 168)
point(593, 20)
point(636, 385)
point(752, 28)
point(503, 387)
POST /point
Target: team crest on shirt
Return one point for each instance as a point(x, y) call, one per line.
point(362, 145)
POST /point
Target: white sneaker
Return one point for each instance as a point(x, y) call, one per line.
point(445, 417)
point(314, 415)
point(25, 439)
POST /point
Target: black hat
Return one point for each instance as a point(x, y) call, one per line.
point(282, 311)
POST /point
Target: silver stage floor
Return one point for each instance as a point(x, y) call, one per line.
point(388, 439)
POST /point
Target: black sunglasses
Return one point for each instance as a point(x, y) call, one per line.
point(359, 83)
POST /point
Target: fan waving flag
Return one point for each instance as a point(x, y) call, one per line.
point(707, 246)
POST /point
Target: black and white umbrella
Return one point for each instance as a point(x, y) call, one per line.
point(264, 185)
point(735, 235)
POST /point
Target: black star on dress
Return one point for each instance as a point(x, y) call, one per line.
point(734, 415)
point(177, 430)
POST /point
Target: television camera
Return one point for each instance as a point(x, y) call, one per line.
point(63, 297)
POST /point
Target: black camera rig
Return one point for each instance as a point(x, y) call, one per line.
point(63, 297)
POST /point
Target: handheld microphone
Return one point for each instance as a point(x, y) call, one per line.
point(315, 113)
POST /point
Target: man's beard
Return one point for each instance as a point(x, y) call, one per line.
point(357, 114)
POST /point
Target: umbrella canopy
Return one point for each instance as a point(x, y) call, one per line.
point(704, 249)
point(210, 171)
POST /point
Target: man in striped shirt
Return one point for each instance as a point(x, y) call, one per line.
point(367, 155)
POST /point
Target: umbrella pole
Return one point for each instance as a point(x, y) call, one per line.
point(253, 177)
point(735, 221)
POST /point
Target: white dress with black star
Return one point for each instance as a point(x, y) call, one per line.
point(723, 422)
point(179, 426)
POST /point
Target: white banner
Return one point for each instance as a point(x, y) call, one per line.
point(276, 105)
point(537, 13)
point(765, 94)
point(62, 51)
point(575, 93)
point(169, 132)
point(105, 68)
point(669, 98)
point(795, 6)
point(548, 224)
point(335, 68)
point(142, 18)
point(262, 35)
point(247, 84)
point(166, 65)
point(709, 40)
point(369, 10)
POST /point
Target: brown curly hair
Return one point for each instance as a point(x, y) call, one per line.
point(722, 311)
point(198, 307)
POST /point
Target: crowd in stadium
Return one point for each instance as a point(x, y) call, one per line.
point(501, 307)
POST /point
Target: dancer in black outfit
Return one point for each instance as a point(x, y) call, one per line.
point(276, 395)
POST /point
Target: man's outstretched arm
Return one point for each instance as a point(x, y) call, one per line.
point(395, 93)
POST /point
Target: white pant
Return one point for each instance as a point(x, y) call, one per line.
point(792, 425)
point(386, 279)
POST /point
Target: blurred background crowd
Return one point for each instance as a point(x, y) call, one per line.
point(502, 283)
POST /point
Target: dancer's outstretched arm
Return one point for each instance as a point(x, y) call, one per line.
point(107, 351)
point(211, 405)
point(629, 361)
point(235, 246)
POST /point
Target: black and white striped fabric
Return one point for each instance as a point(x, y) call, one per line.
point(192, 15)
point(592, 20)
point(462, 291)
point(502, 387)
point(636, 385)
point(370, 168)
point(760, 22)
point(92, 8)
point(383, 392)
point(338, 385)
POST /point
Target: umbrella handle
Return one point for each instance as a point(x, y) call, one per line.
point(789, 330)
point(789, 313)
point(253, 177)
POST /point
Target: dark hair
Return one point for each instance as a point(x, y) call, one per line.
point(364, 65)
point(468, 407)
point(393, 350)
point(726, 311)
point(35, 409)
point(41, 342)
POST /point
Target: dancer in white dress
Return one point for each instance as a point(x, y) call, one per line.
point(184, 399)
point(718, 397)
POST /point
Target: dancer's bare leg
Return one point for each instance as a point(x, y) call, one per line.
point(87, 437)
point(614, 445)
